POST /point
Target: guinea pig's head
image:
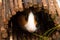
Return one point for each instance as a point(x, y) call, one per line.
point(28, 23)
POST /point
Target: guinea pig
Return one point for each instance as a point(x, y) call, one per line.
point(32, 21)
point(28, 23)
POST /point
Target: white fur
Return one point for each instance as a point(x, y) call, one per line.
point(30, 26)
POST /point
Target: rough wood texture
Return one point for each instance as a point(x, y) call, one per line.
point(52, 9)
point(35, 3)
point(26, 3)
point(3, 12)
point(9, 14)
point(57, 7)
point(39, 3)
point(12, 7)
point(0, 18)
point(27, 36)
point(16, 5)
point(20, 5)
point(45, 4)
point(3, 20)
point(30, 3)
point(8, 8)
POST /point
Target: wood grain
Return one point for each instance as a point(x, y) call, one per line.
point(20, 5)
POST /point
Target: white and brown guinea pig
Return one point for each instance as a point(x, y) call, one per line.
point(32, 21)
point(27, 21)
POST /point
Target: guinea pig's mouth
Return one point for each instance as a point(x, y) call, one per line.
point(31, 24)
point(30, 28)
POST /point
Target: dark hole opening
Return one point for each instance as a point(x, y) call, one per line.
point(44, 21)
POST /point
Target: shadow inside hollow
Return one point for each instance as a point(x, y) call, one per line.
point(43, 19)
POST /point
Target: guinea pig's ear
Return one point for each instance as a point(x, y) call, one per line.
point(22, 21)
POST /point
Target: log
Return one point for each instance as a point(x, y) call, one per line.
point(4, 32)
point(12, 7)
point(0, 5)
point(57, 7)
point(52, 9)
point(16, 5)
point(0, 18)
point(26, 3)
point(10, 15)
point(0, 26)
point(39, 3)
point(4, 19)
point(57, 19)
point(45, 4)
point(35, 3)
point(8, 11)
point(30, 3)
point(0, 9)
point(20, 5)
point(49, 6)
point(4, 13)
